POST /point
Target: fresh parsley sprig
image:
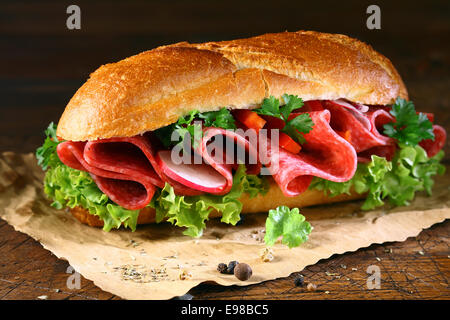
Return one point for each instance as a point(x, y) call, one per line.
point(293, 127)
point(409, 127)
point(219, 119)
point(186, 126)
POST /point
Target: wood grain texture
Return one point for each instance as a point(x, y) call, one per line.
point(418, 268)
point(46, 63)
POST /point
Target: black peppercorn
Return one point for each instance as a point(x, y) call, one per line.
point(222, 268)
point(242, 271)
point(299, 281)
point(231, 266)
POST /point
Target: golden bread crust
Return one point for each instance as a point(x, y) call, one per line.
point(154, 88)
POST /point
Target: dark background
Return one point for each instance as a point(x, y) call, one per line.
point(42, 64)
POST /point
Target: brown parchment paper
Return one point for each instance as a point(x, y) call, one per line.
point(146, 264)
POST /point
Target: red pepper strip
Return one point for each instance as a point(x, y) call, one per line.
point(287, 143)
point(250, 119)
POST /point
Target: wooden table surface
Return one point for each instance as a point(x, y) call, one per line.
point(43, 64)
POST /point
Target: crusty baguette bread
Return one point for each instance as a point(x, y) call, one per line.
point(153, 89)
point(271, 200)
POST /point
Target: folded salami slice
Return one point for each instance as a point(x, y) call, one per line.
point(224, 149)
point(357, 110)
point(131, 157)
point(325, 154)
point(125, 169)
point(131, 190)
point(220, 151)
point(432, 147)
point(363, 135)
point(311, 105)
point(135, 153)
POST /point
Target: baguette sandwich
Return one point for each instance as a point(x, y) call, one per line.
point(311, 118)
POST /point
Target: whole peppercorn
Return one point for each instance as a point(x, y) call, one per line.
point(231, 266)
point(299, 281)
point(243, 271)
point(222, 268)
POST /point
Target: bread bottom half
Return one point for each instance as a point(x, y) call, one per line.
point(261, 203)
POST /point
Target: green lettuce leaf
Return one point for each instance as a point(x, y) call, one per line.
point(71, 188)
point(397, 181)
point(288, 224)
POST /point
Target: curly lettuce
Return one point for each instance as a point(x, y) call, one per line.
point(68, 187)
point(71, 188)
point(288, 224)
point(396, 181)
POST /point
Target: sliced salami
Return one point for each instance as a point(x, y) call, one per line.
point(432, 147)
point(221, 159)
point(134, 155)
point(131, 191)
point(125, 169)
point(362, 136)
point(129, 170)
point(357, 110)
point(325, 154)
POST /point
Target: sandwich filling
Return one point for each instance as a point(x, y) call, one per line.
point(386, 152)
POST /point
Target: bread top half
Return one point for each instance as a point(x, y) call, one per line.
point(154, 88)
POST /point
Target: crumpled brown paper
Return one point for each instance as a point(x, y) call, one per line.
point(149, 263)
